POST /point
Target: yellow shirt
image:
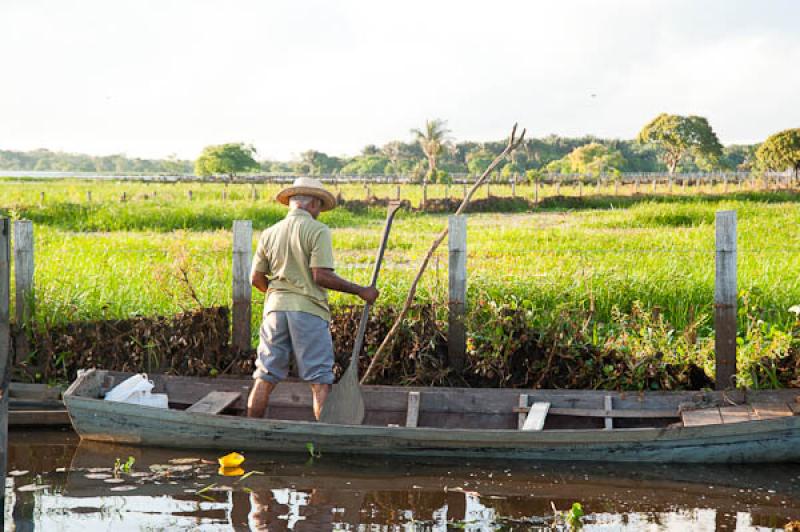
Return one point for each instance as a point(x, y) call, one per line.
point(286, 252)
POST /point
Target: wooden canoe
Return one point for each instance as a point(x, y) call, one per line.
point(584, 425)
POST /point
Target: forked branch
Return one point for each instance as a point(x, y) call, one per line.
point(513, 144)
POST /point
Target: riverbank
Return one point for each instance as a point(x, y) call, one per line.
point(569, 280)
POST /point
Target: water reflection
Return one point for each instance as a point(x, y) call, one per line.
point(57, 485)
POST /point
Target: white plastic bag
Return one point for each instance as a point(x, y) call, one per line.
point(137, 390)
point(130, 386)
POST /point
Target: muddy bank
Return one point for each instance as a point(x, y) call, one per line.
point(504, 351)
point(190, 343)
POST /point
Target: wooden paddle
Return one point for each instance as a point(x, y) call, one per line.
point(345, 403)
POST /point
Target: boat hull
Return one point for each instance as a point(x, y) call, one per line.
point(772, 440)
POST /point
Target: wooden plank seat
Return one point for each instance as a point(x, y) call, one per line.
point(412, 409)
point(214, 402)
point(536, 416)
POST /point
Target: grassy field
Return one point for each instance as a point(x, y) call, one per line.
point(598, 260)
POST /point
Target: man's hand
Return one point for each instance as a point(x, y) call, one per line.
point(260, 281)
point(369, 294)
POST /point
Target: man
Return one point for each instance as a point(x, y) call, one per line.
point(293, 265)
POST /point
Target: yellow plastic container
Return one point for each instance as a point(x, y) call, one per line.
point(231, 460)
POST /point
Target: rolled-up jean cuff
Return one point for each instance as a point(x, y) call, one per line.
point(264, 376)
point(322, 379)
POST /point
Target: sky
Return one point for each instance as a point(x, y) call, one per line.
point(154, 78)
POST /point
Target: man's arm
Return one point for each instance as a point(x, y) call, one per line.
point(327, 278)
point(260, 281)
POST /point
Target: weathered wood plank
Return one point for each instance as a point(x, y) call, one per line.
point(735, 414)
point(522, 409)
point(725, 293)
point(23, 279)
point(650, 413)
point(5, 339)
point(457, 290)
point(608, 404)
point(242, 289)
point(705, 416)
point(42, 392)
point(214, 402)
point(536, 416)
point(38, 417)
point(771, 410)
point(412, 413)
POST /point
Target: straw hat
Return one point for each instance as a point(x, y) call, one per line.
point(308, 186)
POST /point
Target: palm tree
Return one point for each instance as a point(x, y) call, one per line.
point(433, 139)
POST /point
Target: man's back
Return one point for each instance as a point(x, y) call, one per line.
point(286, 253)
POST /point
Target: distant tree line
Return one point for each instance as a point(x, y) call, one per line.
point(54, 161)
point(670, 143)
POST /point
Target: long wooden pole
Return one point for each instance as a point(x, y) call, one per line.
point(725, 300)
point(5, 343)
point(242, 290)
point(513, 144)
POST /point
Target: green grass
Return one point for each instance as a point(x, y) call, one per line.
point(598, 255)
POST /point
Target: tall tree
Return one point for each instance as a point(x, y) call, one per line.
point(392, 151)
point(228, 159)
point(678, 136)
point(316, 162)
point(781, 151)
point(595, 158)
point(433, 139)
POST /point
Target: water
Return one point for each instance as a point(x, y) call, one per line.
point(59, 484)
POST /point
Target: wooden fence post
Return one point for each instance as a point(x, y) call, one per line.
point(5, 343)
point(253, 193)
point(457, 266)
point(725, 300)
point(514, 187)
point(424, 195)
point(88, 196)
point(23, 280)
point(397, 192)
point(242, 290)
point(536, 191)
point(189, 195)
point(580, 188)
